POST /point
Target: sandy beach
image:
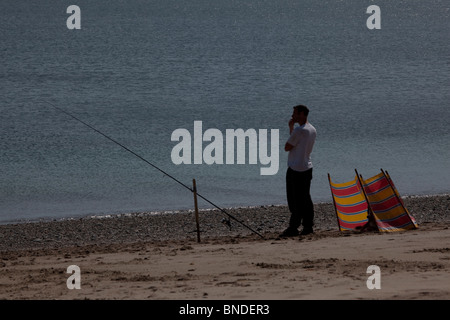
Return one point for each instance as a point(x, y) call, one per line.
point(157, 257)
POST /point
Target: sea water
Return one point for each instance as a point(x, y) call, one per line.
point(139, 70)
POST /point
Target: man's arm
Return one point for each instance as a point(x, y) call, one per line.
point(291, 125)
point(288, 147)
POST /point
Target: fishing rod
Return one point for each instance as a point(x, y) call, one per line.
point(154, 166)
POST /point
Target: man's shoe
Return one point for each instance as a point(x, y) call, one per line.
point(289, 232)
point(306, 231)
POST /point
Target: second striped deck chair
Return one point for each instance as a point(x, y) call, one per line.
point(350, 204)
point(400, 199)
point(386, 205)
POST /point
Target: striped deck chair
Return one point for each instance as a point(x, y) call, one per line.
point(350, 204)
point(386, 205)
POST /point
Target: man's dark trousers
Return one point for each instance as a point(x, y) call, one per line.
point(299, 200)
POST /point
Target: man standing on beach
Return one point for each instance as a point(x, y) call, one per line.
point(299, 173)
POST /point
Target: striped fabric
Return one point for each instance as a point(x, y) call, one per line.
point(350, 204)
point(398, 196)
point(386, 205)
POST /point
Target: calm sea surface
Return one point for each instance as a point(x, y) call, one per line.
point(138, 70)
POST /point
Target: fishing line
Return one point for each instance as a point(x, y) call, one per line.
point(154, 166)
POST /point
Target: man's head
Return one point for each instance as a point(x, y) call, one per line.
point(300, 114)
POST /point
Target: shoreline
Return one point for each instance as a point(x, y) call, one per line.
point(107, 215)
point(180, 225)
